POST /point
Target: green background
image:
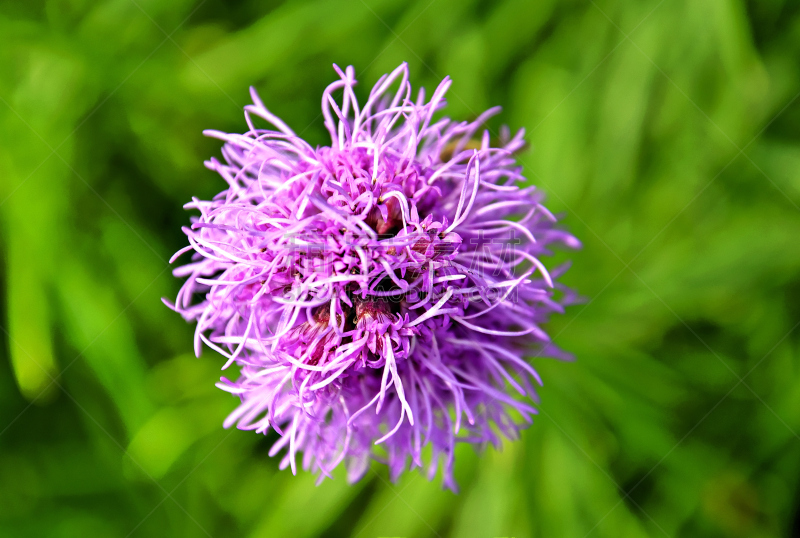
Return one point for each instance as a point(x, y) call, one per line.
point(667, 133)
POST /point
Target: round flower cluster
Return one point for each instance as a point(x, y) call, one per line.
point(381, 294)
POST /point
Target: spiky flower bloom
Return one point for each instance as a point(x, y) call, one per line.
point(379, 295)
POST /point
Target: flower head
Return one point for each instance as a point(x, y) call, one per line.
point(380, 294)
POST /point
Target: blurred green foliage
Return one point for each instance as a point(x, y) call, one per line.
point(667, 132)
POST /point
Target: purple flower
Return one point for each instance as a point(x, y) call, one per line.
point(379, 295)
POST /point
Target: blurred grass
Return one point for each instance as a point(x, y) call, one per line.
point(666, 132)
